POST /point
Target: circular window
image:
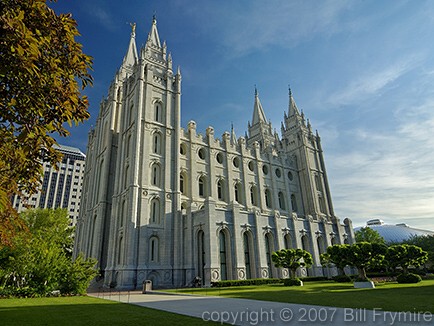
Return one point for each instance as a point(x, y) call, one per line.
point(265, 169)
point(201, 154)
point(278, 173)
point(251, 166)
point(290, 176)
point(219, 158)
point(236, 162)
point(182, 149)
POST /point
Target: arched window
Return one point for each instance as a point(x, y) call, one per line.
point(156, 148)
point(158, 112)
point(247, 251)
point(201, 254)
point(181, 184)
point(318, 183)
point(154, 249)
point(282, 201)
point(305, 243)
point(155, 210)
point(220, 190)
point(253, 196)
point(223, 262)
point(268, 251)
point(287, 240)
point(294, 203)
point(202, 187)
point(155, 177)
point(238, 193)
point(321, 245)
point(333, 241)
point(268, 198)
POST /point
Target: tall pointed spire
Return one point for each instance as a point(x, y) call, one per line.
point(153, 37)
point(131, 57)
point(292, 107)
point(258, 111)
point(233, 136)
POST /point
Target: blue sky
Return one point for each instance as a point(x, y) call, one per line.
point(362, 72)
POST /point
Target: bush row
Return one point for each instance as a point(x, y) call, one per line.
point(262, 281)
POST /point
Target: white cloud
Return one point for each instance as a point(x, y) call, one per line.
point(372, 81)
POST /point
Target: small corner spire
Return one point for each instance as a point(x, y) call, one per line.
point(289, 90)
point(256, 91)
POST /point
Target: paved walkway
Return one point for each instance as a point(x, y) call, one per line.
point(255, 312)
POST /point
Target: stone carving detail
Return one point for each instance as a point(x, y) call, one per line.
point(215, 275)
point(241, 274)
point(264, 272)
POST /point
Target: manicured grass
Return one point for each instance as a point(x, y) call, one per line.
point(388, 296)
point(84, 311)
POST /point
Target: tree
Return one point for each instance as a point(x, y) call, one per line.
point(39, 261)
point(292, 259)
point(426, 242)
point(367, 234)
point(338, 255)
point(42, 73)
point(363, 255)
point(405, 255)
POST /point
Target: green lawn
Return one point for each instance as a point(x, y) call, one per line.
point(84, 311)
point(389, 296)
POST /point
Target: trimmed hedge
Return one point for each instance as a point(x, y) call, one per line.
point(252, 281)
point(292, 282)
point(263, 281)
point(409, 278)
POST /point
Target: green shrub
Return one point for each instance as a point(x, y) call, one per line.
point(342, 279)
point(252, 281)
point(408, 278)
point(292, 282)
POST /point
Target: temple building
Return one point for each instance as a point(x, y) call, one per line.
point(165, 203)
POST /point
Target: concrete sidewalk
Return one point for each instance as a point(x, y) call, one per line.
point(255, 312)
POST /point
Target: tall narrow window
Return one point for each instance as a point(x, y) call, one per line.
point(127, 171)
point(181, 184)
point(158, 112)
point(223, 266)
point(321, 245)
point(155, 178)
point(237, 193)
point(288, 242)
point(128, 144)
point(155, 210)
point(281, 201)
point(268, 251)
point(201, 187)
point(253, 196)
point(157, 145)
point(247, 255)
point(267, 198)
point(153, 249)
point(201, 254)
point(294, 203)
point(220, 195)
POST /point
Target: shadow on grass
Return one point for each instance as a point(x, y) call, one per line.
point(389, 297)
point(84, 311)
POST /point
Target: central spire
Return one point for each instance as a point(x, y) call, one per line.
point(258, 111)
point(153, 34)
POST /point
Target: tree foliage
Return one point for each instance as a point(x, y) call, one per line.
point(41, 263)
point(363, 255)
point(42, 74)
point(426, 242)
point(292, 259)
point(338, 255)
point(405, 255)
point(367, 234)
